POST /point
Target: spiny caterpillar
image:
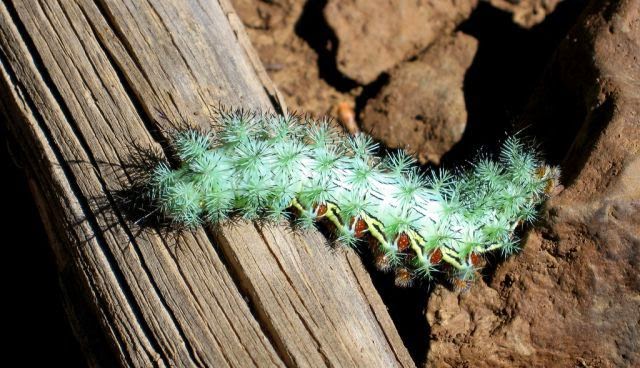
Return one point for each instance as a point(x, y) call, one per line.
point(265, 165)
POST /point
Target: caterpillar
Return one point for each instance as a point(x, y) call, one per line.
point(268, 166)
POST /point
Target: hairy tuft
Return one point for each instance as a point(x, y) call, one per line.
point(261, 166)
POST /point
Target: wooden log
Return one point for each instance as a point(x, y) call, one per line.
point(83, 84)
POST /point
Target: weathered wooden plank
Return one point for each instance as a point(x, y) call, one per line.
point(84, 84)
point(142, 286)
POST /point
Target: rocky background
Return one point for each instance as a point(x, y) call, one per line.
point(445, 78)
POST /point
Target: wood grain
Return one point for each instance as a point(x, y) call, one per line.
point(83, 85)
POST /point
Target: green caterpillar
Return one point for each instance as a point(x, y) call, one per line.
point(266, 165)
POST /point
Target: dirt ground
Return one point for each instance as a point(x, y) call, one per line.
point(447, 79)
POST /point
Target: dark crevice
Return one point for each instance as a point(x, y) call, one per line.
point(587, 135)
point(273, 100)
point(370, 91)
point(406, 306)
point(375, 315)
point(508, 65)
point(313, 28)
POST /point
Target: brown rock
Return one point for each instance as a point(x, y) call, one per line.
point(289, 60)
point(527, 13)
point(375, 35)
point(572, 297)
point(423, 108)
